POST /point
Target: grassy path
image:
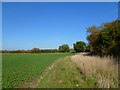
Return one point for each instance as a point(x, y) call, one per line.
point(36, 82)
point(64, 74)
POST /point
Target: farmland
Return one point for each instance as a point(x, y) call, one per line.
point(19, 69)
point(58, 70)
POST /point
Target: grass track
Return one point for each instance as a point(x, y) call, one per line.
point(64, 74)
point(21, 68)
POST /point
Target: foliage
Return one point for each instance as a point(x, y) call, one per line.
point(87, 49)
point(79, 46)
point(72, 51)
point(35, 50)
point(49, 51)
point(105, 40)
point(64, 48)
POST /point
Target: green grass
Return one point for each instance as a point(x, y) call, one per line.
point(21, 68)
point(65, 74)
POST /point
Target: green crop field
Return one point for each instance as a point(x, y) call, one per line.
point(21, 68)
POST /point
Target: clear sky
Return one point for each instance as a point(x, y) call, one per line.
point(48, 25)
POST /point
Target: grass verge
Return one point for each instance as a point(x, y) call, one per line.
point(103, 70)
point(64, 74)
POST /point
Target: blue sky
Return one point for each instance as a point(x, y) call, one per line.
point(48, 25)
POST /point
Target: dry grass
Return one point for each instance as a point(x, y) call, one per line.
point(104, 70)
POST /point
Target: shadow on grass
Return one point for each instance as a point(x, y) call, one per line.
point(89, 54)
point(116, 58)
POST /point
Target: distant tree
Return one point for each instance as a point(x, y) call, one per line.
point(64, 48)
point(79, 46)
point(49, 51)
point(18, 51)
point(5, 51)
point(72, 51)
point(35, 50)
point(87, 49)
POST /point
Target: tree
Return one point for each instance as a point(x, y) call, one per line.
point(79, 46)
point(105, 40)
point(87, 49)
point(92, 29)
point(35, 50)
point(64, 48)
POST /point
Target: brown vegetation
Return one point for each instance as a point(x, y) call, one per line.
point(104, 69)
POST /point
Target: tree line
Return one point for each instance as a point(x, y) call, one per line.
point(79, 46)
point(34, 50)
point(105, 39)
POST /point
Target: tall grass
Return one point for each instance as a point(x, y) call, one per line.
point(104, 70)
